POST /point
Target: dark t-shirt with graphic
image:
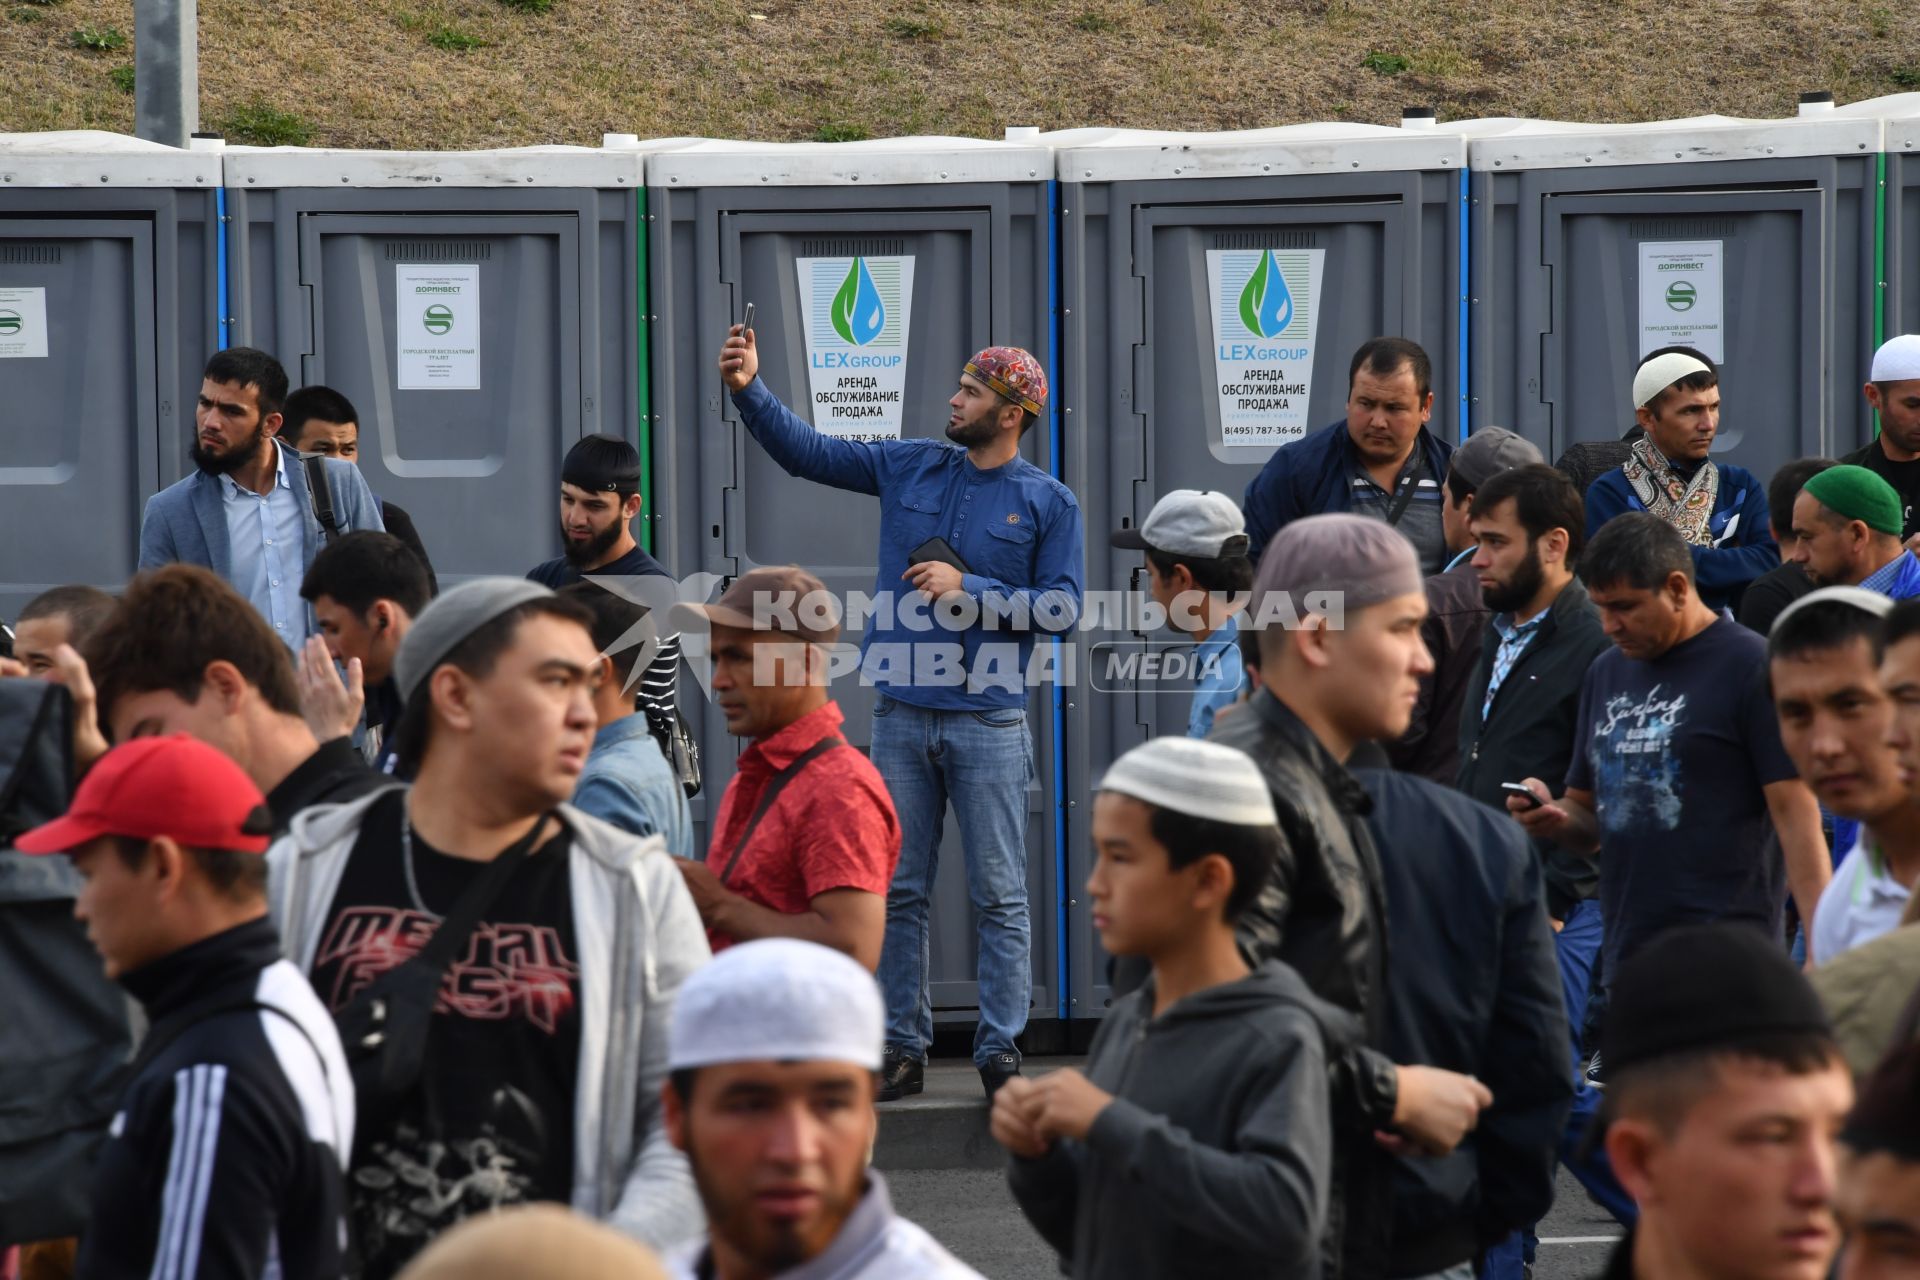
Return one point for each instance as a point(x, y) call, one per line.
point(492, 1124)
point(1677, 752)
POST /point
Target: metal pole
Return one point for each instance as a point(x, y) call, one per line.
point(166, 70)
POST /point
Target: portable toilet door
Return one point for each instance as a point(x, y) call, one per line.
point(1215, 289)
point(479, 309)
point(1750, 240)
point(946, 241)
point(1896, 275)
point(108, 249)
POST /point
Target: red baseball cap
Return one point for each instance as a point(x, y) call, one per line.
point(176, 786)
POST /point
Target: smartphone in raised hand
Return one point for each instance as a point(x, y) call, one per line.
point(746, 325)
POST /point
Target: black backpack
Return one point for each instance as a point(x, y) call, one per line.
point(65, 1032)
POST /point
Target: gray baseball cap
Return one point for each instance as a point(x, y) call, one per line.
point(1488, 452)
point(454, 615)
point(1189, 522)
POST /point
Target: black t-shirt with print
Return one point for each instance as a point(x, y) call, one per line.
point(492, 1124)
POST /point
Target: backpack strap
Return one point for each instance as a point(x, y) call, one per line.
point(322, 494)
point(775, 786)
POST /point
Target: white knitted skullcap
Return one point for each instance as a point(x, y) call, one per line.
point(777, 1000)
point(1199, 779)
point(1898, 359)
point(1661, 372)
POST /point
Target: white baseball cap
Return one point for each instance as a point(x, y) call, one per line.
point(1189, 522)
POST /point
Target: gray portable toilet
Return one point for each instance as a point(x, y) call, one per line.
point(1749, 239)
point(1215, 287)
point(952, 236)
point(481, 310)
point(1897, 269)
point(108, 253)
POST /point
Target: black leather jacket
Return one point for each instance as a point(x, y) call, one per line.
point(1324, 913)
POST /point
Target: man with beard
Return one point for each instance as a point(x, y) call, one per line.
point(1893, 390)
point(989, 548)
point(246, 512)
point(1846, 526)
point(1456, 615)
point(1720, 510)
point(1519, 717)
point(771, 1077)
point(599, 501)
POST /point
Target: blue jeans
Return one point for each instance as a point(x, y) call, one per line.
point(983, 762)
point(1577, 947)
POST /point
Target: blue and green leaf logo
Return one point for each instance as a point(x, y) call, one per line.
point(1266, 305)
point(10, 323)
point(438, 319)
point(858, 314)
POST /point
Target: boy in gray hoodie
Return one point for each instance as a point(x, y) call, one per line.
point(1198, 1143)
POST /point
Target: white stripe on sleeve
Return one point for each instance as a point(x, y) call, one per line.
point(196, 1140)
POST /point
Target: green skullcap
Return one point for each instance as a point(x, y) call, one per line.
point(1858, 494)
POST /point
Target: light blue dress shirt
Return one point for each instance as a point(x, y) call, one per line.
point(267, 534)
point(1222, 675)
point(628, 782)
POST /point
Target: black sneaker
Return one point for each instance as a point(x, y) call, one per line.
point(1595, 1079)
point(900, 1074)
point(999, 1069)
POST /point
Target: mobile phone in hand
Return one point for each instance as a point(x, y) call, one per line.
point(1524, 792)
point(747, 323)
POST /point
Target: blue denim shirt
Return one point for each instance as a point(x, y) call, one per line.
point(1017, 529)
point(1222, 675)
point(267, 536)
point(628, 782)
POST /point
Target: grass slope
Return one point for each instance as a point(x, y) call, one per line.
point(480, 73)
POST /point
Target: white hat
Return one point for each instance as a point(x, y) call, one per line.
point(1189, 522)
point(1199, 779)
point(1859, 597)
point(1661, 372)
point(777, 1000)
point(1897, 360)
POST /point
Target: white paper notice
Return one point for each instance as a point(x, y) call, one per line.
point(1266, 304)
point(1682, 297)
point(855, 313)
point(437, 327)
point(23, 323)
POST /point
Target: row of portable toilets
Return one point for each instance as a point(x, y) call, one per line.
point(1195, 298)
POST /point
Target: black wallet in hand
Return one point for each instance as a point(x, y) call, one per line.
point(936, 550)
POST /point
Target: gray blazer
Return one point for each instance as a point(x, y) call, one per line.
point(186, 522)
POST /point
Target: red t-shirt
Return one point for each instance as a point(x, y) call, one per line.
point(832, 827)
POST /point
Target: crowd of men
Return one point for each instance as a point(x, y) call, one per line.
point(1570, 818)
